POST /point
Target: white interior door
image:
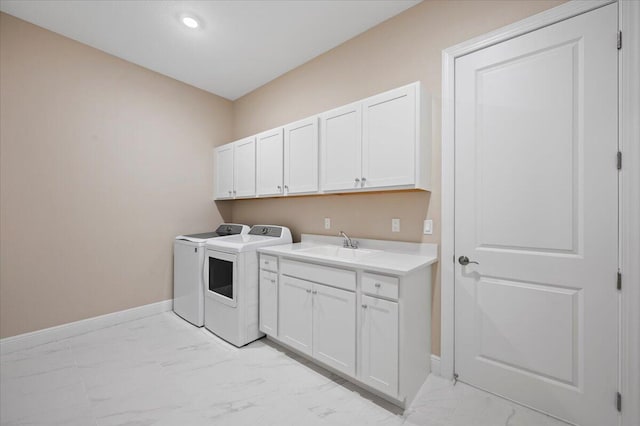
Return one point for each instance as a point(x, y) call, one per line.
point(536, 198)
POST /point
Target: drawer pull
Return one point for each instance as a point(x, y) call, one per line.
point(266, 262)
point(364, 306)
point(273, 281)
point(378, 285)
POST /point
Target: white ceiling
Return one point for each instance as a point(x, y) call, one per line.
point(240, 46)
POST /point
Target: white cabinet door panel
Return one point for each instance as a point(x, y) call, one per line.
point(341, 148)
point(334, 327)
point(379, 351)
point(224, 171)
point(389, 138)
point(269, 303)
point(296, 313)
point(245, 168)
point(269, 162)
point(301, 156)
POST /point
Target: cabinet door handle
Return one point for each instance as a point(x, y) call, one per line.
point(273, 281)
point(286, 187)
point(308, 291)
point(314, 292)
point(279, 188)
point(364, 306)
point(229, 192)
point(377, 285)
point(364, 179)
point(357, 180)
point(234, 192)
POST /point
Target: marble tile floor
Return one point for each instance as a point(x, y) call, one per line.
point(160, 371)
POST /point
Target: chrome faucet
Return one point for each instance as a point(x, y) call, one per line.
point(348, 242)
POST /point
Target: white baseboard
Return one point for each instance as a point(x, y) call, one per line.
point(435, 365)
point(48, 335)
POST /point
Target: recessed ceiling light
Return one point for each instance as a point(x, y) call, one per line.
point(190, 22)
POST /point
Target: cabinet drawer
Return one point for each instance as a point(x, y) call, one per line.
point(380, 285)
point(335, 277)
point(269, 263)
point(267, 276)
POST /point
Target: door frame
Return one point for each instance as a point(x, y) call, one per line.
point(629, 184)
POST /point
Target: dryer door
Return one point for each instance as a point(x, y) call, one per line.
point(221, 277)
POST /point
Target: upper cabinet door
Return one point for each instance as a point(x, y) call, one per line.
point(269, 162)
point(389, 138)
point(340, 148)
point(245, 168)
point(224, 171)
point(301, 156)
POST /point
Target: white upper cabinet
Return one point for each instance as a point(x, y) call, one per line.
point(244, 168)
point(389, 138)
point(301, 156)
point(224, 171)
point(269, 162)
point(382, 142)
point(379, 143)
point(236, 169)
point(341, 148)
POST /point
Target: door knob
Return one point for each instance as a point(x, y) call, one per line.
point(464, 260)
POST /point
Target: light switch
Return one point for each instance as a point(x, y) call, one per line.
point(428, 227)
point(327, 223)
point(395, 225)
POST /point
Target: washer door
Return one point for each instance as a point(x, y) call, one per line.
point(221, 277)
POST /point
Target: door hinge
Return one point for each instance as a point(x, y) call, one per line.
point(619, 402)
point(619, 282)
point(619, 40)
point(619, 160)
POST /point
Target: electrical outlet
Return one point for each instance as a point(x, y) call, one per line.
point(395, 225)
point(428, 227)
point(327, 223)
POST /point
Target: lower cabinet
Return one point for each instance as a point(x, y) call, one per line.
point(334, 327)
point(269, 303)
point(296, 313)
point(379, 340)
point(371, 328)
point(320, 321)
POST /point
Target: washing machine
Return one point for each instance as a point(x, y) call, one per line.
point(231, 294)
point(188, 263)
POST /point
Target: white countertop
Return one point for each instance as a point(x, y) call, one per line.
point(390, 257)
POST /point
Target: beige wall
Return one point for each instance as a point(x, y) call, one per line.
point(401, 50)
point(102, 163)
